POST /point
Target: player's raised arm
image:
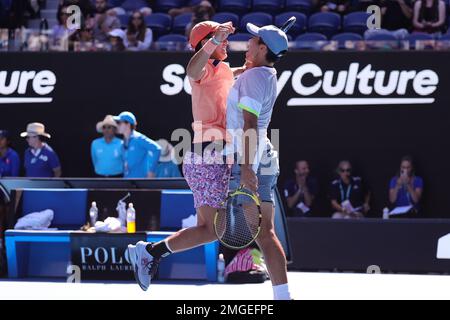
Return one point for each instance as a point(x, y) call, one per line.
point(196, 67)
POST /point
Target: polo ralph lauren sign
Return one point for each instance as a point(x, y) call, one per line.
point(103, 256)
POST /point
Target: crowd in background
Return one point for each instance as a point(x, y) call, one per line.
point(348, 194)
point(101, 19)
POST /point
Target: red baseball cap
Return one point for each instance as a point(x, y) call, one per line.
point(201, 30)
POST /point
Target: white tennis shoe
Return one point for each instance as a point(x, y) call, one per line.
point(144, 264)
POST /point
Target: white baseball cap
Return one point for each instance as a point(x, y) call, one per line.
point(119, 33)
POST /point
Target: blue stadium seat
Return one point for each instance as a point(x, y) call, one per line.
point(166, 5)
point(355, 22)
point(341, 38)
point(114, 3)
point(445, 37)
point(236, 6)
point(160, 23)
point(223, 17)
point(311, 36)
point(192, 3)
point(123, 18)
point(173, 38)
point(382, 36)
point(298, 27)
point(308, 40)
point(133, 5)
point(257, 18)
point(327, 23)
point(240, 37)
point(269, 6)
point(180, 22)
point(418, 36)
point(304, 6)
point(167, 42)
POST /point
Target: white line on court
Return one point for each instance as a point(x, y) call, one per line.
point(304, 286)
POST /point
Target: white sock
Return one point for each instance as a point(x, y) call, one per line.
point(281, 292)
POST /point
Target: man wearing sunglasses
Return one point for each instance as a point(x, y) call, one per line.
point(349, 197)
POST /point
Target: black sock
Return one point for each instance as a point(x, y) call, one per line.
point(158, 250)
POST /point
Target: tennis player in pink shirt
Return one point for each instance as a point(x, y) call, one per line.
point(204, 167)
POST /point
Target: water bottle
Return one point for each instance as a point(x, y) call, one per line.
point(221, 269)
point(93, 213)
point(385, 213)
point(131, 219)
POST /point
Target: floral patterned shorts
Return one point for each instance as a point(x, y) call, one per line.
point(208, 178)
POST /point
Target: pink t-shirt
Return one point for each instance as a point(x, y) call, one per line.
point(209, 102)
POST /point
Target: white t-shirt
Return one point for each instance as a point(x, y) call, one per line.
point(254, 91)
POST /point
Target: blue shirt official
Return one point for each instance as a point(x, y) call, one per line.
point(107, 157)
point(141, 155)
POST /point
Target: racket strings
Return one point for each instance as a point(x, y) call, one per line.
point(238, 226)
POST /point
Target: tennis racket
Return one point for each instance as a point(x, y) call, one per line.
point(240, 224)
point(288, 24)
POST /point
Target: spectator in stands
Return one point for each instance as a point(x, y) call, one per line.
point(362, 5)
point(396, 17)
point(138, 36)
point(86, 7)
point(167, 168)
point(107, 151)
point(84, 36)
point(396, 14)
point(405, 189)
point(141, 154)
point(17, 12)
point(40, 159)
point(339, 6)
point(104, 22)
point(62, 30)
point(177, 11)
point(9, 159)
point(349, 197)
point(301, 191)
point(146, 11)
point(203, 12)
point(429, 16)
point(117, 39)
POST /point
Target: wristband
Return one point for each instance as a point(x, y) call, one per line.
point(210, 47)
point(215, 41)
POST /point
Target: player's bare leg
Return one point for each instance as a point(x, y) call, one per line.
point(195, 236)
point(273, 252)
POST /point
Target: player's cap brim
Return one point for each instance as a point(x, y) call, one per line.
point(252, 29)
